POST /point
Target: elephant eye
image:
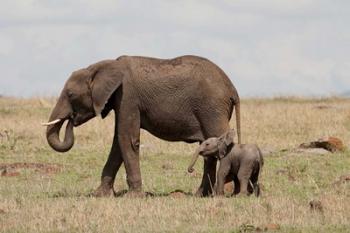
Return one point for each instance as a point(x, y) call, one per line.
point(70, 94)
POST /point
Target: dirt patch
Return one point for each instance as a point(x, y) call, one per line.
point(229, 187)
point(322, 107)
point(313, 151)
point(178, 194)
point(331, 144)
point(14, 169)
point(267, 228)
point(272, 227)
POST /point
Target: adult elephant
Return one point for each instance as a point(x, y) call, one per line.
point(187, 98)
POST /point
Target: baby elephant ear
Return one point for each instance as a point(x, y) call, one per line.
point(224, 142)
point(103, 84)
point(229, 136)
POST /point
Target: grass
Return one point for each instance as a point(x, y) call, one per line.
point(37, 201)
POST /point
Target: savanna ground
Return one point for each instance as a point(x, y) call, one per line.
point(44, 191)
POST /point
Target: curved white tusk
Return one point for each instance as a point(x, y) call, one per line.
point(51, 122)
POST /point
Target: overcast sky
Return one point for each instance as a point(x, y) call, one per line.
point(266, 47)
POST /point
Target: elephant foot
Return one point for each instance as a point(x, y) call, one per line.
point(135, 194)
point(103, 191)
point(219, 194)
point(242, 195)
point(201, 192)
point(257, 191)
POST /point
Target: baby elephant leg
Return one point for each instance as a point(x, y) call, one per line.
point(223, 171)
point(219, 191)
point(250, 186)
point(237, 185)
point(254, 180)
point(243, 178)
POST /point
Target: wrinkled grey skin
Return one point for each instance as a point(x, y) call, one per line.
point(174, 99)
point(240, 162)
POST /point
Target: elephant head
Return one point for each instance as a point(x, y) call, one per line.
point(215, 146)
point(83, 97)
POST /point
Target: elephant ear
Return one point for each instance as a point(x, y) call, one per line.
point(225, 141)
point(103, 84)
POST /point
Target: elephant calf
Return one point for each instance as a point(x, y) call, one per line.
point(242, 162)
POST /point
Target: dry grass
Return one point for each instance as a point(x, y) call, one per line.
point(33, 201)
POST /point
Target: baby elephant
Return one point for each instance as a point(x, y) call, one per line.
point(242, 162)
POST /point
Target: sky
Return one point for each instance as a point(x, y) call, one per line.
point(266, 47)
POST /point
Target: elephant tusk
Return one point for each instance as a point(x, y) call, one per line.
point(51, 122)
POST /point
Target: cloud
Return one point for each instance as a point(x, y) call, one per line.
point(266, 47)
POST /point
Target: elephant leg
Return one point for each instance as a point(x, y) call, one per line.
point(110, 170)
point(208, 179)
point(129, 141)
point(229, 180)
point(243, 177)
point(132, 164)
point(254, 180)
point(223, 172)
point(250, 187)
point(220, 186)
point(220, 182)
point(237, 186)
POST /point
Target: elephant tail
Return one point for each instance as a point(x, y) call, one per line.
point(236, 106)
point(261, 160)
point(259, 163)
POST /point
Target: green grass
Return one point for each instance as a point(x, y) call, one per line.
point(37, 201)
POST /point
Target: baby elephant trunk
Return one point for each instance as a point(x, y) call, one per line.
point(193, 161)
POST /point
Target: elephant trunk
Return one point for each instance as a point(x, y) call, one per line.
point(61, 113)
point(193, 161)
point(52, 136)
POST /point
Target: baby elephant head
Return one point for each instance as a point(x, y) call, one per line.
point(214, 146)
